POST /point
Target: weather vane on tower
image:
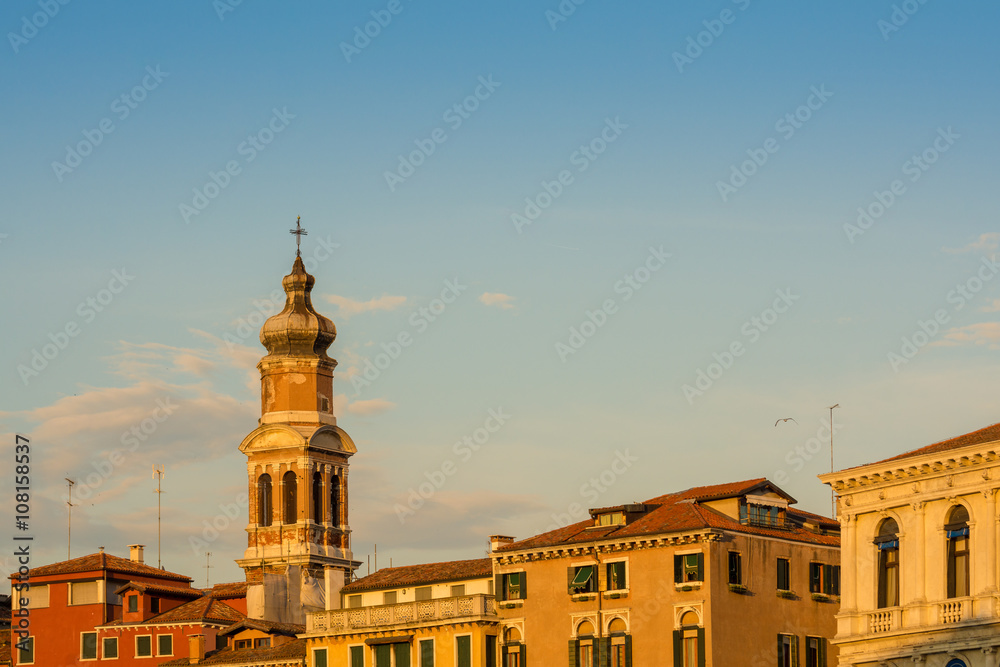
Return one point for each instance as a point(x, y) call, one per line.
point(299, 233)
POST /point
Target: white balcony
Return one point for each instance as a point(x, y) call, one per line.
point(405, 614)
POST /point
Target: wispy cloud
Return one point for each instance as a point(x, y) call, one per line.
point(497, 299)
point(992, 308)
point(988, 242)
point(347, 307)
point(372, 406)
point(984, 333)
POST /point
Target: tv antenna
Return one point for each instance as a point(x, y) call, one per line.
point(158, 474)
point(69, 518)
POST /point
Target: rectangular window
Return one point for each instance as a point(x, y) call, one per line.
point(491, 651)
point(611, 519)
point(615, 576)
point(463, 646)
point(164, 645)
point(144, 646)
point(422, 593)
point(319, 657)
point(110, 648)
point(426, 653)
point(689, 567)
point(38, 596)
point(244, 643)
point(619, 653)
point(784, 575)
point(88, 646)
point(383, 655)
point(401, 653)
point(458, 590)
point(831, 579)
point(815, 577)
point(581, 579)
point(133, 603)
point(154, 605)
point(512, 656)
point(958, 564)
point(815, 652)
point(888, 576)
point(788, 651)
point(389, 597)
point(585, 654)
point(262, 642)
point(735, 568)
point(513, 585)
point(83, 592)
point(357, 656)
point(353, 601)
point(26, 651)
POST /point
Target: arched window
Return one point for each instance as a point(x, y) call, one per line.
point(264, 500)
point(689, 641)
point(887, 542)
point(289, 501)
point(335, 500)
point(958, 552)
point(317, 498)
point(513, 649)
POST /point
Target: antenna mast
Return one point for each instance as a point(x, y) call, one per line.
point(158, 474)
point(69, 518)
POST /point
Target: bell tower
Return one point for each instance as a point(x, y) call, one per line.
point(298, 536)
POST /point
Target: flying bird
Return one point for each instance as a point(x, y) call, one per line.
point(786, 419)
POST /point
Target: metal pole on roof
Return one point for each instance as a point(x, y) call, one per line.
point(158, 473)
point(833, 494)
point(69, 518)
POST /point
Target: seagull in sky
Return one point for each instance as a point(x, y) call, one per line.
point(786, 419)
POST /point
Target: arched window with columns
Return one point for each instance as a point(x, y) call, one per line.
point(264, 500)
point(317, 497)
point(335, 500)
point(290, 497)
point(957, 531)
point(887, 542)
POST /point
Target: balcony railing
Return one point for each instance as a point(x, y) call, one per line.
point(404, 613)
point(954, 611)
point(883, 621)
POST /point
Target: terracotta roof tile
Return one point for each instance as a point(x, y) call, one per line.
point(413, 575)
point(5, 648)
point(205, 610)
point(104, 562)
point(270, 627)
point(160, 590)
point(227, 591)
point(980, 437)
point(292, 653)
point(681, 512)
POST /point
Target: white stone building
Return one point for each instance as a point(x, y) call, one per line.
point(919, 559)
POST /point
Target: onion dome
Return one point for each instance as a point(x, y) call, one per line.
point(298, 330)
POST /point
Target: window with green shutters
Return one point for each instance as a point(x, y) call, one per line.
point(582, 579)
point(357, 656)
point(319, 657)
point(788, 651)
point(402, 654)
point(383, 655)
point(689, 567)
point(144, 646)
point(88, 646)
point(427, 653)
point(464, 647)
point(784, 575)
point(511, 586)
point(615, 576)
point(815, 652)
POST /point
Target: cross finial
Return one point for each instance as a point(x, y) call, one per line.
point(299, 233)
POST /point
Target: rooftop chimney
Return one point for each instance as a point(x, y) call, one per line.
point(498, 541)
point(196, 649)
point(100, 550)
point(135, 552)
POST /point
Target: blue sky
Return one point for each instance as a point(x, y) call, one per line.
point(663, 133)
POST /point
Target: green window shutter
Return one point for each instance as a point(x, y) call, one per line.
point(498, 591)
point(523, 576)
point(678, 570)
point(426, 654)
point(701, 647)
point(678, 648)
point(603, 656)
point(402, 652)
point(795, 650)
point(701, 567)
point(383, 655)
point(628, 650)
point(464, 651)
point(573, 652)
point(491, 651)
point(822, 652)
point(524, 655)
point(358, 656)
point(781, 645)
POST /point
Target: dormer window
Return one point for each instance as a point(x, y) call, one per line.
point(610, 519)
point(763, 511)
point(133, 603)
